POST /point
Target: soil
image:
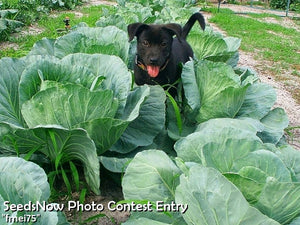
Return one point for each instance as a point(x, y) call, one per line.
point(248, 9)
point(32, 29)
point(110, 192)
point(101, 2)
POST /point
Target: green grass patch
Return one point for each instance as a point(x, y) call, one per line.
point(215, 10)
point(50, 24)
point(264, 15)
point(273, 41)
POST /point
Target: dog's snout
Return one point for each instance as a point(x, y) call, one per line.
point(153, 60)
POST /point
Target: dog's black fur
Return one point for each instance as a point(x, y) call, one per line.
point(156, 48)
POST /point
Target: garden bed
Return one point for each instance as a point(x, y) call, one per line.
point(69, 108)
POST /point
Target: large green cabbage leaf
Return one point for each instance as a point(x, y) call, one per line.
point(148, 124)
point(51, 69)
point(229, 146)
point(161, 173)
point(274, 124)
point(212, 199)
point(258, 101)
point(153, 176)
point(162, 177)
point(280, 201)
point(291, 158)
point(212, 89)
point(56, 143)
point(214, 47)
point(225, 134)
point(63, 95)
point(114, 72)
point(22, 182)
point(265, 163)
point(19, 176)
point(11, 70)
point(68, 105)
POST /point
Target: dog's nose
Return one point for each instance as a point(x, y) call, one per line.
point(153, 60)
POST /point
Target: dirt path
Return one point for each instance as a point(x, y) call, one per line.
point(255, 9)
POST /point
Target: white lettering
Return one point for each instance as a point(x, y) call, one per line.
point(85, 207)
point(6, 203)
point(110, 206)
point(171, 207)
point(71, 205)
point(130, 207)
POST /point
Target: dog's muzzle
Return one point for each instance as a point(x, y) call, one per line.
point(142, 66)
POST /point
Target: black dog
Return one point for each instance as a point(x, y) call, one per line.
point(158, 54)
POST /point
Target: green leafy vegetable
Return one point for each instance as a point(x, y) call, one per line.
point(258, 101)
point(211, 46)
point(22, 182)
point(219, 89)
point(73, 104)
point(274, 122)
point(68, 105)
point(54, 142)
point(11, 70)
point(205, 190)
point(162, 174)
point(106, 40)
point(202, 189)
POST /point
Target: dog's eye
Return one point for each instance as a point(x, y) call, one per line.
point(146, 43)
point(163, 44)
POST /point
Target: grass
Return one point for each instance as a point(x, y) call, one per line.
point(49, 24)
point(264, 15)
point(273, 41)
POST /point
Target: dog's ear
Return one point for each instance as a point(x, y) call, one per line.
point(135, 29)
point(174, 29)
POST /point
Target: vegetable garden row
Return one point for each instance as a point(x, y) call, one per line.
point(71, 105)
point(15, 14)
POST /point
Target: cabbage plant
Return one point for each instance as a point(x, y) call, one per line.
point(24, 183)
point(106, 40)
point(224, 172)
point(70, 112)
point(71, 103)
point(8, 25)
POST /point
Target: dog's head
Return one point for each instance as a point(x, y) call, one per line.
point(154, 44)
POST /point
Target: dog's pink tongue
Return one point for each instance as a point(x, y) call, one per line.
point(153, 71)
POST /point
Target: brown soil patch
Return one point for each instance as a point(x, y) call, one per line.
point(108, 217)
point(284, 21)
point(96, 206)
point(254, 9)
point(9, 45)
point(101, 2)
point(33, 29)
